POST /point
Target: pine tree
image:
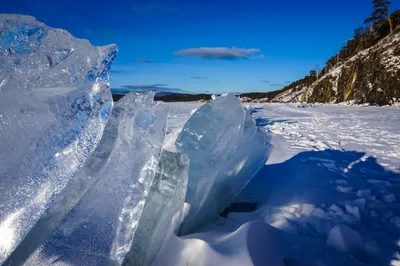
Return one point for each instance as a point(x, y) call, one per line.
point(380, 14)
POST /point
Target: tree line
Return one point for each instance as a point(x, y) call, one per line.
point(379, 25)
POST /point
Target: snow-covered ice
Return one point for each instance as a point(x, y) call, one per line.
point(54, 104)
point(331, 186)
point(226, 149)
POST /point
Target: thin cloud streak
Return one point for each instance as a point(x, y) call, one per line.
point(145, 61)
point(118, 71)
point(220, 53)
point(276, 85)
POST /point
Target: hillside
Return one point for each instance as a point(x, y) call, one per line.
point(371, 76)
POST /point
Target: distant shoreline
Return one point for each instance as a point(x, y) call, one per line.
point(173, 97)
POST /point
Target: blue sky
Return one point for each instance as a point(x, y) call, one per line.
point(171, 45)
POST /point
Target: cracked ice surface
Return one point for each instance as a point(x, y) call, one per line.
point(54, 104)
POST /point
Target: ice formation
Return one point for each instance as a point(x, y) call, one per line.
point(165, 200)
point(54, 104)
point(225, 149)
point(100, 228)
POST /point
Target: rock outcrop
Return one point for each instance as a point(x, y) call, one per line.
point(372, 76)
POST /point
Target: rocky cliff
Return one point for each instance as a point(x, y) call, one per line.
point(371, 76)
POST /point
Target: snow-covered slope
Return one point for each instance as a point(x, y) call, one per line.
point(371, 76)
point(327, 196)
point(289, 96)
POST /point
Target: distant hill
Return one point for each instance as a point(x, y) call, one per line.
point(174, 97)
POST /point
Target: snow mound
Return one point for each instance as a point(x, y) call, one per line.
point(345, 239)
point(226, 149)
point(253, 243)
point(54, 104)
point(100, 228)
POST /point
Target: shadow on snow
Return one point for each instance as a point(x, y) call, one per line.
point(314, 191)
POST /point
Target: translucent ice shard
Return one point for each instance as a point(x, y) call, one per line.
point(166, 199)
point(226, 150)
point(54, 104)
point(100, 228)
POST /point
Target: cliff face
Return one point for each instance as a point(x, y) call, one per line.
point(371, 76)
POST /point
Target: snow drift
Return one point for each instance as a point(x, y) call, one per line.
point(225, 149)
point(54, 104)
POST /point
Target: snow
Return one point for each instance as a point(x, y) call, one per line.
point(253, 243)
point(316, 149)
point(54, 104)
point(345, 239)
point(100, 225)
point(290, 96)
point(226, 149)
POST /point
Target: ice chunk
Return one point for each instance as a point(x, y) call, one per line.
point(374, 214)
point(226, 149)
point(344, 189)
point(100, 228)
point(354, 211)
point(336, 210)
point(54, 104)
point(360, 203)
point(363, 193)
point(391, 198)
point(307, 209)
point(345, 239)
point(166, 198)
point(395, 221)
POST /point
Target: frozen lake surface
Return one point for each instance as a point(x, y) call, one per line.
point(328, 194)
